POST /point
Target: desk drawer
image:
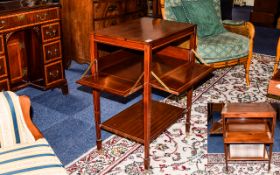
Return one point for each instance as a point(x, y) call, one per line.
point(52, 51)
point(12, 21)
point(50, 32)
point(1, 44)
point(28, 18)
point(3, 67)
point(45, 15)
point(54, 72)
point(4, 85)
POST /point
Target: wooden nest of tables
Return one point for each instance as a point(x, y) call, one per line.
point(246, 125)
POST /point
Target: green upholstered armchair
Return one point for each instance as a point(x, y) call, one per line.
point(219, 43)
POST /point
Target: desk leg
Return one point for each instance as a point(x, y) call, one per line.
point(96, 103)
point(147, 103)
point(270, 156)
point(64, 89)
point(189, 108)
point(226, 155)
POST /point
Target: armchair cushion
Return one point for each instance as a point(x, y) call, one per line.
point(223, 47)
point(13, 129)
point(204, 14)
point(179, 13)
point(217, 6)
point(169, 12)
point(36, 158)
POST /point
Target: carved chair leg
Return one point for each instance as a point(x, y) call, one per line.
point(247, 67)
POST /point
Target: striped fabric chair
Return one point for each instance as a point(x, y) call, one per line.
point(23, 150)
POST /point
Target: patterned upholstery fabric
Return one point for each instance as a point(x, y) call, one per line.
point(169, 15)
point(216, 48)
point(179, 13)
point(168, 4)
point(223, 47)
point(217, 6)
point(203, 13)
point(13, 129)
point(37, 158)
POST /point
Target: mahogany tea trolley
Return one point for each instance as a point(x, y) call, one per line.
point(146, 60)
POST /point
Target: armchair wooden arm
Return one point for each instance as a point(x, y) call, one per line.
point(248, 30)
point(277, 58)
point(25, 107)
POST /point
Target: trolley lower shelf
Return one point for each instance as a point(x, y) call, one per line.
point(130, 124)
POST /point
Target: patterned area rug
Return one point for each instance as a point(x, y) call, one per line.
point(174, 152)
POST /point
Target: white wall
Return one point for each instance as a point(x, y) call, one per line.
point(250, 2)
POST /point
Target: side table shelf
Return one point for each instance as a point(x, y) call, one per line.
point(129, 123)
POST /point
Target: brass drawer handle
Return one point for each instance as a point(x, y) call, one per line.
point(21, 17)
point(53, 53)
point(2, 24)
point(42, 17)
point(112, 8)
point(51, 33)
point(54, 74)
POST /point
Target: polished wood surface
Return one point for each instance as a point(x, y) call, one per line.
point(121, 123)
point(248, 131)
point(77, 23)
point(80, 19)
point(248, 110)
point(248, 123)
point(117, 76)
point(30, 43)
point(123, 76)
point(125, 71)
point(182, 77)
point(152, 31)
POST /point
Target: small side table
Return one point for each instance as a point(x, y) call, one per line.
point(248, 125)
